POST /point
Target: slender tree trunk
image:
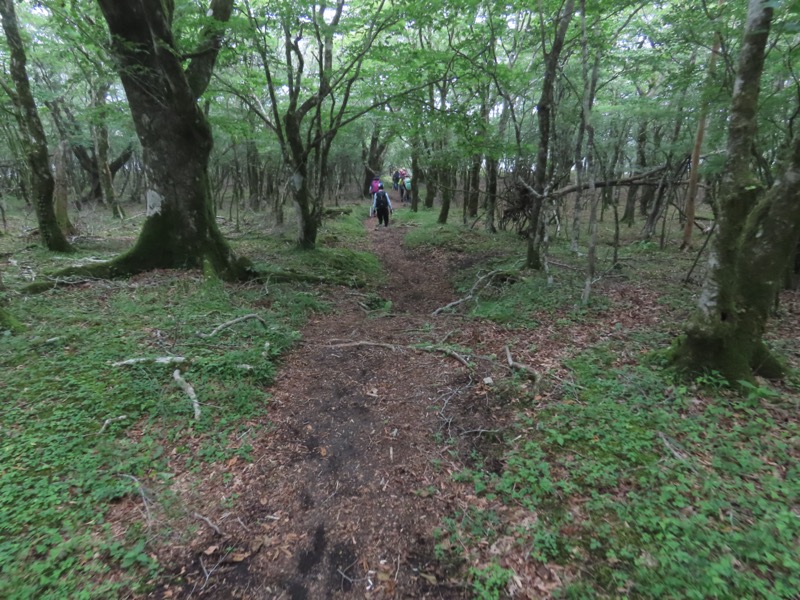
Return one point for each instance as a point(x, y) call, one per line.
point(33, 135)
point(100, 135)
point(589, 88)
point(474, 185)
point(254, 175)
point(432, 181)
point(373, 159)
point(543, 116)
point(415, 174)
point(694, 167)
point(61, 189)
point(448, 179)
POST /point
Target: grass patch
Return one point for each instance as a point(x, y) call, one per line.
point(80, 435)
point(656, 490)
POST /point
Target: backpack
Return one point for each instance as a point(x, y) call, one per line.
point(374, 186)
point(381, 200)
point(407, 183)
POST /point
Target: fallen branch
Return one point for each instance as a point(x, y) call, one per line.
point(161, 360)
point(530, 371)
point(447, 351)
point(108, 422)
point(470, 295)
point(187, 387)
point(143, 494)
point(232, 322)
point(208, 522)
point(466, 298)
point(480, 432)
point(365, 343)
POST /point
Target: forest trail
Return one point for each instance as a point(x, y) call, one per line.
point(352, 474)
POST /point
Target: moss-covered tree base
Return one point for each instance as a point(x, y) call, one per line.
point(735, 360)
point(147, 256)
point(9, 323)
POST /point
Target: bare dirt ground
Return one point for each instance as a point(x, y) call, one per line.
point(351, 474)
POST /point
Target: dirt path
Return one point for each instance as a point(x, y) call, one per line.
point(351, 477)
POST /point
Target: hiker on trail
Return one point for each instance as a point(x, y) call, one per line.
point(373, 187)
point(381, 206)
point(407, 188)
point(402, 187)
point(396, 180)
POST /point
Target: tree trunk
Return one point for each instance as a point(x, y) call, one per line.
point(100, 135)
point(474, 185)
point(432, 181)
point(749, 256)
point(543, 116)
point(694, 167)
point(448, 180)
point(180, 229)
point(61, 189)
point(254, 175)
point(33, 135)
point(415, 178)
point(373, 159)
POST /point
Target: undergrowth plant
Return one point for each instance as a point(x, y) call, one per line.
point(655, 489)
point(80, 434)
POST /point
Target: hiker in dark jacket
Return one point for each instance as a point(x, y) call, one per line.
point(381, 206)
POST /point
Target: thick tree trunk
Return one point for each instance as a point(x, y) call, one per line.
point(180, 229)
point(751, 253)
point(33, 135)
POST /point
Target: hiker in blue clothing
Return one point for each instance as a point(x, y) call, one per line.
point(381, 206)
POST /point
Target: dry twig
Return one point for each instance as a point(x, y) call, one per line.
point(161, 360)
point(208, 522)
point(187, 387)
point(110, 420)
point(143, 494)
point(530, 371)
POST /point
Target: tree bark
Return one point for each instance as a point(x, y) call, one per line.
point(756, 236)
point(543, 116)
point(180, 229)
point(61, 190)
point(33, 135)
point(447, 177)
point(694, 167)
point(474, 185)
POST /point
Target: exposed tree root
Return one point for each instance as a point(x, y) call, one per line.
point(232, 322)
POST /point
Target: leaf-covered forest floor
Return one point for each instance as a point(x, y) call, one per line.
point(370, 448)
